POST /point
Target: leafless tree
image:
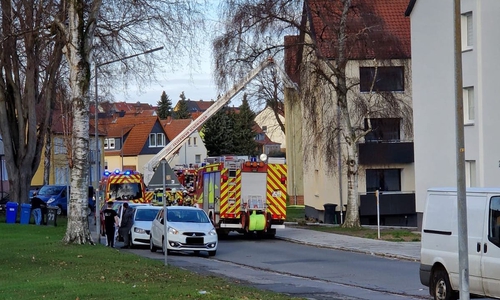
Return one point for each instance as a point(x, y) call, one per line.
point(35, 37)
point(334, 110)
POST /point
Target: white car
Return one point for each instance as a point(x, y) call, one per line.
point(143, 217)
point(189, 229)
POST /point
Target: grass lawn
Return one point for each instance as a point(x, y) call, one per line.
point(36, 265)
point(297, 214)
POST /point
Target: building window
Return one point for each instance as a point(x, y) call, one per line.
point(156, 140)
point(470, 173)
point(189, 142)
point(197, 159)
point(109, 144)
point(160, 140)
point(383, 180)
point(194, 141)
point(152, 140)
point(381, 79)
point(259, 137)
point(264, 128)
point(469, 105)
point(467, 31)
point(59, 147)
point(383, 130)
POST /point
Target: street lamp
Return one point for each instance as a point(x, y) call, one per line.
point(96, 125)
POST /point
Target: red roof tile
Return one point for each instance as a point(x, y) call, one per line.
point(375, 28)
point(173, 127)
point(136, 128)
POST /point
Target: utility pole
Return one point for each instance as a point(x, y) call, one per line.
point(463, 255)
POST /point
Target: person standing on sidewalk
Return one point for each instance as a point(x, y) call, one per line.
point(110, 221)
point(126, 224)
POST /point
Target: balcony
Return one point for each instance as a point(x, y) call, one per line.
point(386, 152)
point(395, 208)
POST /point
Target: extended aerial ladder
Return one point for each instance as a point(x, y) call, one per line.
point(176, 143)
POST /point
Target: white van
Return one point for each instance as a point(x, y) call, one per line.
point(439, 252)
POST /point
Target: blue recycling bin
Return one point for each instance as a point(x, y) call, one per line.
point(25, 213)
point(11, 212)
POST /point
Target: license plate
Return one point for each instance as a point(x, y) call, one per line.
point(194, 240)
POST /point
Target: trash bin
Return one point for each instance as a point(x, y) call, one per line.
point(330, 216)
point(11, 212)
point(51, 216)
point(25, 213)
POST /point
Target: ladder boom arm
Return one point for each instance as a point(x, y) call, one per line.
point(178, 141)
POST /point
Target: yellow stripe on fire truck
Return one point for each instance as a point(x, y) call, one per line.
point(276, 189)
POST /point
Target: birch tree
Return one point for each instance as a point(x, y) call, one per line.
point(333, 109)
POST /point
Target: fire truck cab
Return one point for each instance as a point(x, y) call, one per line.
point(243, 194)
point(124, 186)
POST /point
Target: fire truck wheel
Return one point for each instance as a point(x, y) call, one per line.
point(271, 233)
point(212, 253)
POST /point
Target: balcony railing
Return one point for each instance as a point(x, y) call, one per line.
point(386, 152)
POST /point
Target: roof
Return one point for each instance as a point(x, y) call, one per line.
point(292, 57)
point(136, 129)
point(375, 29)
point(173, 127)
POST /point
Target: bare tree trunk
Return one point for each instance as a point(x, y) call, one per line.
point(77, 52)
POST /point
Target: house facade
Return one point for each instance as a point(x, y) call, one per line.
point(266, 119)
point(386, 161)
point(434, 94)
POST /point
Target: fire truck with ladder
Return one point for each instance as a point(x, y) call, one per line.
point(243, 194)
point(269, 212)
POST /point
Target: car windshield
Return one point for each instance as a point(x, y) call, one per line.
point(125, 191)
point(187, 215)
point(50, 190)
point(145, 214)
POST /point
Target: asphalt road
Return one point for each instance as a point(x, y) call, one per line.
point(304, 271)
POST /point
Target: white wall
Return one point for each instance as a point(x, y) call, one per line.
point(267, 118)
point(434, 97)
point(190, 149)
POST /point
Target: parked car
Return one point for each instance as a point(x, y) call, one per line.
point(143, 218)
point(54, 195)
point(188, 229)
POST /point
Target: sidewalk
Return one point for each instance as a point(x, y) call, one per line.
point(400, 250)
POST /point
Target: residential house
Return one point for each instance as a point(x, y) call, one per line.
point(59, 172)
point(432, 34)
point(381, 57)
point(264, 143)
point(266, 119)
point(196, 106)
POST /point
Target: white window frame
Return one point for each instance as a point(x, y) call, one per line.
point(197, 159)
point(194, 141)
point(59, 147)
point(189, 141)
point(469, 105)
point(111, 143)
point(160, 140)
point(152, 140)
point(467, 24)
point(470, 173)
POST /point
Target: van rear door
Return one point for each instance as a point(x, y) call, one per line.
point(490, 263)
point(476, 208)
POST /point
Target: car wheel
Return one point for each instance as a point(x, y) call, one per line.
point(212, 253)
point(441, 287)
point(152, 247)
point(59, 210)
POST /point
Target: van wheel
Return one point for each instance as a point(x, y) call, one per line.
point(59, 210)
point(441, 287)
